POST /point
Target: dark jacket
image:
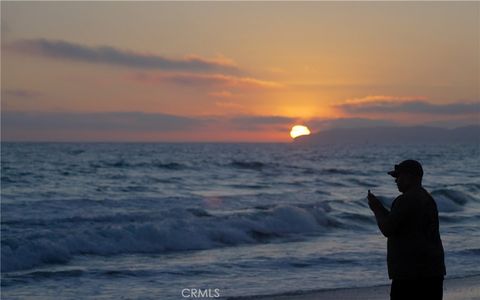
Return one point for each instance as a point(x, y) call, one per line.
point(414, 247)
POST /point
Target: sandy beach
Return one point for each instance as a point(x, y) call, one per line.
point(466, 288)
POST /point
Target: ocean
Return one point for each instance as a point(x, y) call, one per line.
point(155, 220)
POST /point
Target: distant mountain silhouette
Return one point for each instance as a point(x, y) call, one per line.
point(393, 135)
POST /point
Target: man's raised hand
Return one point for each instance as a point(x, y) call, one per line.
point(373, 201)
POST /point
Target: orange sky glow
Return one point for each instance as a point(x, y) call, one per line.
point(234, 71)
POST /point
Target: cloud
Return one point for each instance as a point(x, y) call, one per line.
point(221, 94)
point(254, 123)
point(230, 105)
point(128, 122)
point(59, 49)
point(414, 105)
point(125, 126)
point(103, 121)
point(19, 94)
point(218, 80)
point(317, 124)
point(384, 98)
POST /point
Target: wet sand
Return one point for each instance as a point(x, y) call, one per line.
point(466, 288)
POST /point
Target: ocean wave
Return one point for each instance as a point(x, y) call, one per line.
point(60, 274)
point(75, 151)
point(471, 251)
point(449, 200)
point(362, 182)
point(170, 165)
point(253, 165)
point(249, 186)
point(24, 277)
point(338, 171)
point(194, 230)
point(6, 179)
point(56, 231)
point(122, 163)
point(67, 221)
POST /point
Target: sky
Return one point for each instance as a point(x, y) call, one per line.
point(234, 71)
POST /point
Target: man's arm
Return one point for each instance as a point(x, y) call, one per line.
point(388, 222)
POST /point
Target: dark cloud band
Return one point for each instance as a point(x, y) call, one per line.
point(19, 94)
point(60, 49)
point(414, 106)
point(101, 121)
point(132, 121)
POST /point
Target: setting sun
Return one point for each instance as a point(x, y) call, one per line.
point(299, 130)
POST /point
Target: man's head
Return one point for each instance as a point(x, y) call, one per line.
point(407, 174)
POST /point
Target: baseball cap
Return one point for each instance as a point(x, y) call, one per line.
point(407, 166)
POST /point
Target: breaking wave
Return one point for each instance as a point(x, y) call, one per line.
point(58, 240)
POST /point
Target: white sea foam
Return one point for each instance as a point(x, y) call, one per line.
point(172, 231)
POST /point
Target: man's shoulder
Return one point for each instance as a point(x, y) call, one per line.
point(412, 197)
point(418, 196)
point(416, 192)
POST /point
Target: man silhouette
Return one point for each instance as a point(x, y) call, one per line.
point(415, 256)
